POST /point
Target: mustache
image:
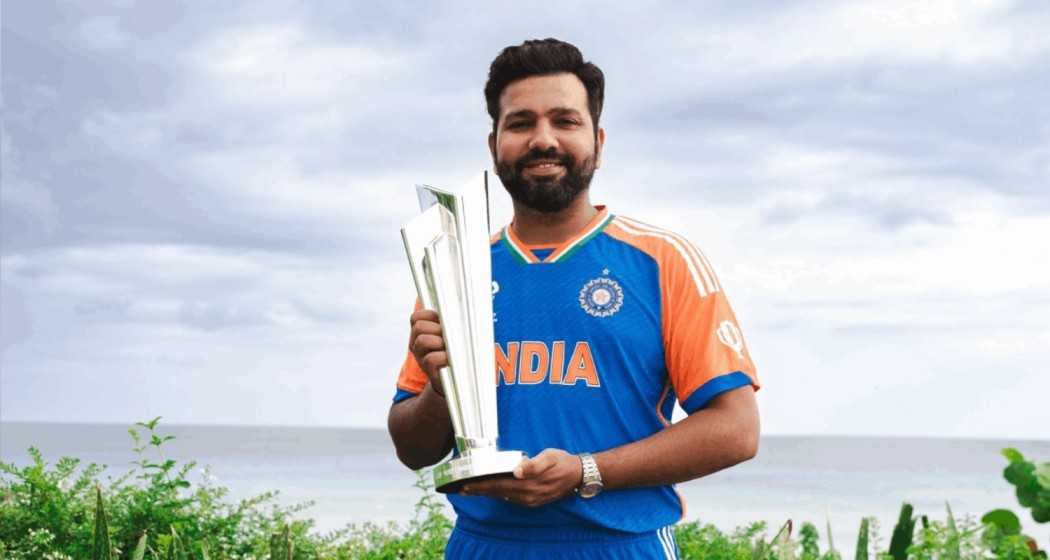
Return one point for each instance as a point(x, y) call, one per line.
point(551, 154)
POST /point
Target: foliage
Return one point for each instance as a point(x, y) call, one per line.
point(902, 533)
point(1032, 483)
point(155, 512)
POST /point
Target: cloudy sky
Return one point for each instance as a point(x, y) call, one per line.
point(201, 203)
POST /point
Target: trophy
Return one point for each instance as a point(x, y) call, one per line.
point(450, 256)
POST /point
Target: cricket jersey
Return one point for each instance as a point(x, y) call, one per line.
point(596, 338)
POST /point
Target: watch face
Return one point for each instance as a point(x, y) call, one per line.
point(590, 490)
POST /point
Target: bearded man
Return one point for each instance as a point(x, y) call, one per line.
point(602, 324)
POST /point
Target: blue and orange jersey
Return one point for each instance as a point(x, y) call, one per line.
point(596, 338)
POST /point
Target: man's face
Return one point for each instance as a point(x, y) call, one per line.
point(545, 147)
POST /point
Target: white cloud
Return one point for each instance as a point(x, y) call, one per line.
point(272, 67)
point(222, 223)
point(102, 33)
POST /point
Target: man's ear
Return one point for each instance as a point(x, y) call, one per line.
point(599, 143)
point(492, 146)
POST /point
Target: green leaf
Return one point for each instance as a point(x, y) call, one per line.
point(140, 548)
point(103, 550)
point(1027, 497)
point(151, 425)
point(1042, 474)
point(1012, 455)
point(1005, 520)
point(953, 545)
point(831, 541)
point(175, 551)
point(862, 540)
point(902, 533)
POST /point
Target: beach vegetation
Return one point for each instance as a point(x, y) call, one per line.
point(155, 511)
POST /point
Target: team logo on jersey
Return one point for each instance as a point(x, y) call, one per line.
point(601, 297)
point(730, 335)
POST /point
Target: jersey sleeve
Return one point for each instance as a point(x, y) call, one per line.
point(704, 348)
point(411, 380)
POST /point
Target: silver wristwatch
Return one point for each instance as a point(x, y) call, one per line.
point(591, 485)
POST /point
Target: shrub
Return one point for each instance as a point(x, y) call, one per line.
point(154, 511)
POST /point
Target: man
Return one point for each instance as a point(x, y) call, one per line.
point(602, 322)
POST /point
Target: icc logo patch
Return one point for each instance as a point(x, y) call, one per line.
point(601, 297)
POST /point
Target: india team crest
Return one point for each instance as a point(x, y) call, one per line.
point(601, 297)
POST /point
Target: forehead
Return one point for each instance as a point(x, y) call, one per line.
point(540, 94)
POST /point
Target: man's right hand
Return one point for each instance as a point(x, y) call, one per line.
point(428, 346)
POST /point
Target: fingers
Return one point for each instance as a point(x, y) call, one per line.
point(546, 477)
point(432, 363)
point(428, 315)
point(426, 342)
point(531, 468)
point(510, 490)
point(495, 488)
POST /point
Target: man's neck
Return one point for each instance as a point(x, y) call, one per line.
point(539, 228)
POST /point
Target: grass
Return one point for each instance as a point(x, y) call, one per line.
point(154, 512)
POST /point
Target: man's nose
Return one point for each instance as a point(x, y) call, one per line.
point(543, 137)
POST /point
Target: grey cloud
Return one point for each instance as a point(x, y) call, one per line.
point(112, 135)
point(888, 214)
point(132, 231)
point(983, 125)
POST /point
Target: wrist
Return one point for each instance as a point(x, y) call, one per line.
point(590, 477)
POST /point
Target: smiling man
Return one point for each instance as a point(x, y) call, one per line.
point(602, 323)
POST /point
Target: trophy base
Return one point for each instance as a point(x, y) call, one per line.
point(451, 475)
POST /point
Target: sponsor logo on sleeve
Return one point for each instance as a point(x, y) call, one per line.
point(729, 334)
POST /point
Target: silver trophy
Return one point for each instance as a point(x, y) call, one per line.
point(449, 253)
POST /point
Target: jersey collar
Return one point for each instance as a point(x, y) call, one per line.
point(560, 251)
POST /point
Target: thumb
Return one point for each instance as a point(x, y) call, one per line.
point(531, 468)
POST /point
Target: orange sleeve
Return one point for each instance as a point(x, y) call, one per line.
point(411, 380)
point(704, 349)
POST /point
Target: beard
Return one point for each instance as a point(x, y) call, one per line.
point(546, 194)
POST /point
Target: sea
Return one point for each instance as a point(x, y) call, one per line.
point(352, 476)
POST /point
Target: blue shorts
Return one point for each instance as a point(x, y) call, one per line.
point(472, 542)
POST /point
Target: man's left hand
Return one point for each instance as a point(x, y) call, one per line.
point(549, 476)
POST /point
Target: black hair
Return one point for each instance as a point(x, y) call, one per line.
point(542, 57)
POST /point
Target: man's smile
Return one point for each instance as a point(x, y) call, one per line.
point(544, 168)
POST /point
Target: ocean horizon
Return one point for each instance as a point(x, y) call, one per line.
point(352, 476)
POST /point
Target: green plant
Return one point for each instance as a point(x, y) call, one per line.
point(103, 549)
point(809, 538)
point(1032, 487)
point(902, 533)
point(1031, 483)
point(862, 540)
point(281, 546)
point(832, 553)
point(156, 512)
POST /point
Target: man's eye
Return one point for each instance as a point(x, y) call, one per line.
point(568, 122)
point(517, 125)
